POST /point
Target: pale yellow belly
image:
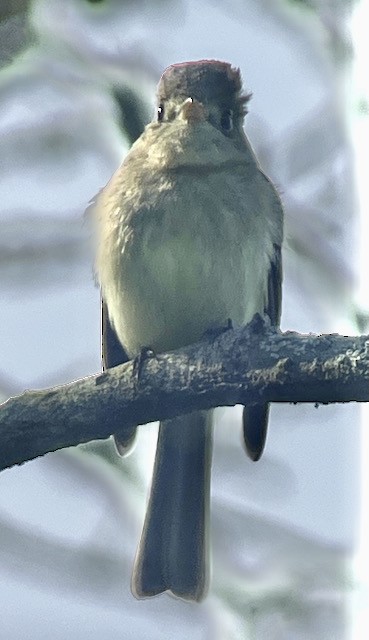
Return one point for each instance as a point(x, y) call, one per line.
point(173, 286)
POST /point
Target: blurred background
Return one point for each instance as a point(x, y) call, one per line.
point(77, 86)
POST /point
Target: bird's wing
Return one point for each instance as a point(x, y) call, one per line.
point(255, 417)
point(111, 349)
point(274, 300)
point(114, 354)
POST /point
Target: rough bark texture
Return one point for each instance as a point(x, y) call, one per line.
point(241, 366)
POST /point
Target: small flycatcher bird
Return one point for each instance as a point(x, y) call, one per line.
point(189, 235)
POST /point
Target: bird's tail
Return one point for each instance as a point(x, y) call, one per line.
point(255, 427)
point(173, 553)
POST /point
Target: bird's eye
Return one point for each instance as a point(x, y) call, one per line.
point(160, 112)
point(226, 120)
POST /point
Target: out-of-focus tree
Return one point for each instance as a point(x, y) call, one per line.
point(14, 29)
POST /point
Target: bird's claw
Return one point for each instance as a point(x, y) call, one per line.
point(145, 354)
point(214, 332)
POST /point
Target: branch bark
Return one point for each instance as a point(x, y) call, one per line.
point(241, 366)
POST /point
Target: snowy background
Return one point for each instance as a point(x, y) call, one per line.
point(74, 74)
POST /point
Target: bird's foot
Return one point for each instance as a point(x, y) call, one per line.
point(214, 332)
point(145, 354)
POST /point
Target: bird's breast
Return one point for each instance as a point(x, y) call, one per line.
point(185, 261)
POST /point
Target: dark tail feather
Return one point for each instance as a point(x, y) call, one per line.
point(124, 443)
point(173, 551)
point(255, 426)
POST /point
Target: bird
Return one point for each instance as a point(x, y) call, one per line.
point(189, 235)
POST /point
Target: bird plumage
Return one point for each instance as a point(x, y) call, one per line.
point(190, 231)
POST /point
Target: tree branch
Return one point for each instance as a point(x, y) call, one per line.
point(241, 366)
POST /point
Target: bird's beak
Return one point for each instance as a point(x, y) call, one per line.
point(193, 111)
